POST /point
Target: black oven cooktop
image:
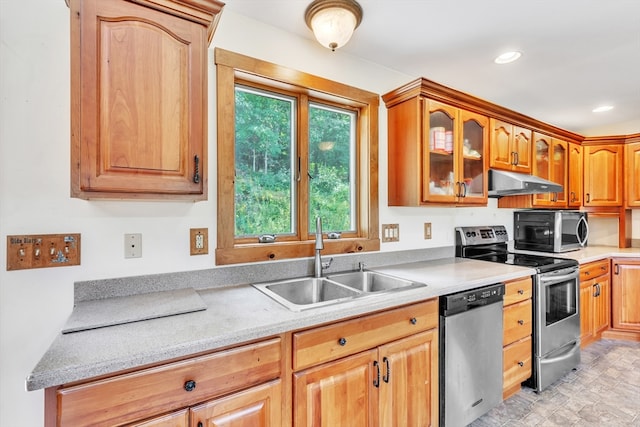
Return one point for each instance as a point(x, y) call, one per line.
point(489, 243)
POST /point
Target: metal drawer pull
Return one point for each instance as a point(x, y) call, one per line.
point(190, 385)
point(342, 341)
point(521, 291)
point(413, 320)
point(386, 376)
point(520, 322)
point(521, 364)
point(376, 381)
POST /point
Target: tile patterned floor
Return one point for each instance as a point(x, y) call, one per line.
point(604, 391)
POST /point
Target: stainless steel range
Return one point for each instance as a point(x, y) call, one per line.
point(556, 305)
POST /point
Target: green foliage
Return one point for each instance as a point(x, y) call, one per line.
point(264, 159)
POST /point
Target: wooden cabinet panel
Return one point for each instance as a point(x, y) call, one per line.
point(338, 393)
point(550, 162)
point(594, 269)
point(174, 419)
point(632, 174)
point(516, 359)
point(145, 393)
point(603, 175)
point(595, 301)
point(255, 407)
point(625, 294)
point(510, 147)
point(409, 388)
point(587, 335)
point(340, 339)
point(575, 176)
point(602, 305)
point(517, 322)
point(139, 96)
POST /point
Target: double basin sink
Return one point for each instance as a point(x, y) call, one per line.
point(311, 292)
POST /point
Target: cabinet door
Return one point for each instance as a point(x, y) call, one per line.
point(602, 305)
point(603, 175)
point(587, 291)
point(409, 384)
point(521, 146)
point(339, 393)
point(138, 101)
point(575, 176)
point(632, 174)
point(625, 294)
point(439, 178)
point(500, 152)
point(516, 365)
point(472, 164)
point(258, 406)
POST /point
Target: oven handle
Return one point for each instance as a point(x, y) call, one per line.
point(560, 278)
point(582, 242)
point(574, 348)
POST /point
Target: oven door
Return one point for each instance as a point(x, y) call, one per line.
point(557, 321)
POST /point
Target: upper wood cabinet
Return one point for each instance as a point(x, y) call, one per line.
point(575, 176)
point(437, 154)
point(510, 147)
point(550, 162)
point(139, 98)
point(603, 175)
point(632, 174)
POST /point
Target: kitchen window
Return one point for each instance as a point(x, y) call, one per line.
point(292, 146)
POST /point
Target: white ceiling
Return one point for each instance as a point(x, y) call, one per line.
point(577, 54)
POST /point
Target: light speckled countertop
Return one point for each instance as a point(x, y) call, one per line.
point(592, 253)
point(239, 314)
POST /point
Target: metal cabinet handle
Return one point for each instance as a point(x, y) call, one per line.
point(413, 320)
point(387, 374)
point(342, 341)
point(588, 197)
point(376, 380)
point(521, 291)
point(517, 157)
point(190, 385)
point(196, 169)
point(520, 322)
point(521, 364)
point(464, 189)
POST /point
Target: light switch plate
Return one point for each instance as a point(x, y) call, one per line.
point(390, 233)
point(427, 230)
point(42, 250)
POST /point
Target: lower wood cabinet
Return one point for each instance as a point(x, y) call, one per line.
point(239, 382)
point(595, 301)
point(625, 294)
point(392, 381)
point(518, 324)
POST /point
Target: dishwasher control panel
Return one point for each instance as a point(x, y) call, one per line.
point(467, 300)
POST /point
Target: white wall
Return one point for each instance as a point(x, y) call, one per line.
point(34, 183)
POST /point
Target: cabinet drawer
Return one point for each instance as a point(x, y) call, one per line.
point(517, 290)
point(341, 339)
point(516, 363)
point(138, 395)
point(517, 321)
point(594, 269)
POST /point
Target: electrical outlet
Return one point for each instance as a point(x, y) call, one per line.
point(133, 245)
point(199, 241)
point(390, 233)
point(427, 230)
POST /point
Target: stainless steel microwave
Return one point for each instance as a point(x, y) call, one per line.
point(550, 230)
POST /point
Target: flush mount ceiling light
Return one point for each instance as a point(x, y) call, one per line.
point(507, 57)
point(333, 21)
point(602, 108)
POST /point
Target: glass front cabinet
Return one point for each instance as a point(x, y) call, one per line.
point(550, 163)
point(454, 155)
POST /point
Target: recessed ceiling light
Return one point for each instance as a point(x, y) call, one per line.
point(507, 57)
point(602, 108)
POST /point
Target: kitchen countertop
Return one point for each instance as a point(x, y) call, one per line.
point(591, 253)
point(238, 314)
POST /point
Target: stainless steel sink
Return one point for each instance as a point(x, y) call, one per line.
point(306, 293)
point(369, 281)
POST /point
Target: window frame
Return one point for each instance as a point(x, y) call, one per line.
point(232, 68)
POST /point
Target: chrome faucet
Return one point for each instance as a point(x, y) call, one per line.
point(318, 264)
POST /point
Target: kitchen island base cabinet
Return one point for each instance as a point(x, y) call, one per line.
point(387, 383)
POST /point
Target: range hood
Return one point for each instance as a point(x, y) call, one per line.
point(503, 183)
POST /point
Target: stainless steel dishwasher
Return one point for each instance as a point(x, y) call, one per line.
point(470, 354)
